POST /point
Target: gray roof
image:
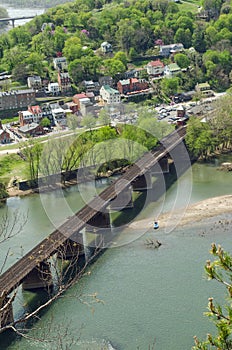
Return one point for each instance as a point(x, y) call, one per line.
point(28, 127)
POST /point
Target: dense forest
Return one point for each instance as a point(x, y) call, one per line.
point(134, 28)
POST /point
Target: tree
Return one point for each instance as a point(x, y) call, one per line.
point(121, 56)
point(219, 270)
point(170, 85)
point(3, 192)
point(45, 122)
point(89, 122)
point(32, 150)
point(104, 117)
point(183, 36)
point(113, 67)
point(182, 60)
point(199, 138)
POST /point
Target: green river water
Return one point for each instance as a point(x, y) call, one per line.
point(148, 296)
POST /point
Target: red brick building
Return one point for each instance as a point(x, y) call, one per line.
point(127, 86)
point(4, 135)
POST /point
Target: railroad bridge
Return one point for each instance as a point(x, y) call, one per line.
point(13, 19)
point(94, 215)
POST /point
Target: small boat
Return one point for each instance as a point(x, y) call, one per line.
point(156, 225)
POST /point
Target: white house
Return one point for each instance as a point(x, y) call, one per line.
point(106, 47)
point(171, 69)
point(34, 82)
point(110, 95)
point(54, 88)
point(155, 68)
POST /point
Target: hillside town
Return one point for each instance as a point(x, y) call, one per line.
point(96, 95)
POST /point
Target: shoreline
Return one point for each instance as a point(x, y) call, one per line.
point(195, 212)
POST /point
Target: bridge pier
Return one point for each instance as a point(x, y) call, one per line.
point(123, 200)
point(39, 277)
point(6, 311)
point(99, 222)
point(13, 23)
point(143, 182)
point(72, 248)
point(161, 167)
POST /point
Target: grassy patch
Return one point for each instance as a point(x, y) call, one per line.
point(12, 166)
point(10, 120)
point(190, 5)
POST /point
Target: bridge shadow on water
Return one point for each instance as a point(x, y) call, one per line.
point(161, 183)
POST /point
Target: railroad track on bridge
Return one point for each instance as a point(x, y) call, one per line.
point(14, 276)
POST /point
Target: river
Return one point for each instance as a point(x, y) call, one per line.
point(148, 296)
point(20, 12)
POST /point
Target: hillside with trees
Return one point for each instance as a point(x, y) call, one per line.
point(134, 29)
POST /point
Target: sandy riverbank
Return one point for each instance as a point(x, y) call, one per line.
point(193, 213)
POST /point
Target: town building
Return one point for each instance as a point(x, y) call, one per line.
point(105, 80)
point(78, 97)
point(4, 135)
point(33, 129)
point(64, 81)
point(167, 50)
point(91, 86)
point(73, 107)
point(32, 115)
point(34, 82)
point(54, 88)
point(60, 63)
point(16, 99)
point(155, 68)
point(127, 86)
point(171, 69)
point(204, 89)
point(59, 115)
point(109, 95)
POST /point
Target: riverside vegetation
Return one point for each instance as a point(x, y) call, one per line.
point(133, 28)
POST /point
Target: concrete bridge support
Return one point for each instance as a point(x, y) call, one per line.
point(6, 311)
point(72, 248)
point(123, 200)
point(99, 222)
point(39, 277)
point(161, 167)
point(143, 182)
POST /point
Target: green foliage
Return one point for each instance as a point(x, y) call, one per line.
point(32, 150)
point(170, 85)
point(182, 60)
point(9, 165)
point(45, 122)
point(199, 139)
point(219, 270)
point(3, 192)
point(203, 139)
point(89, 122)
